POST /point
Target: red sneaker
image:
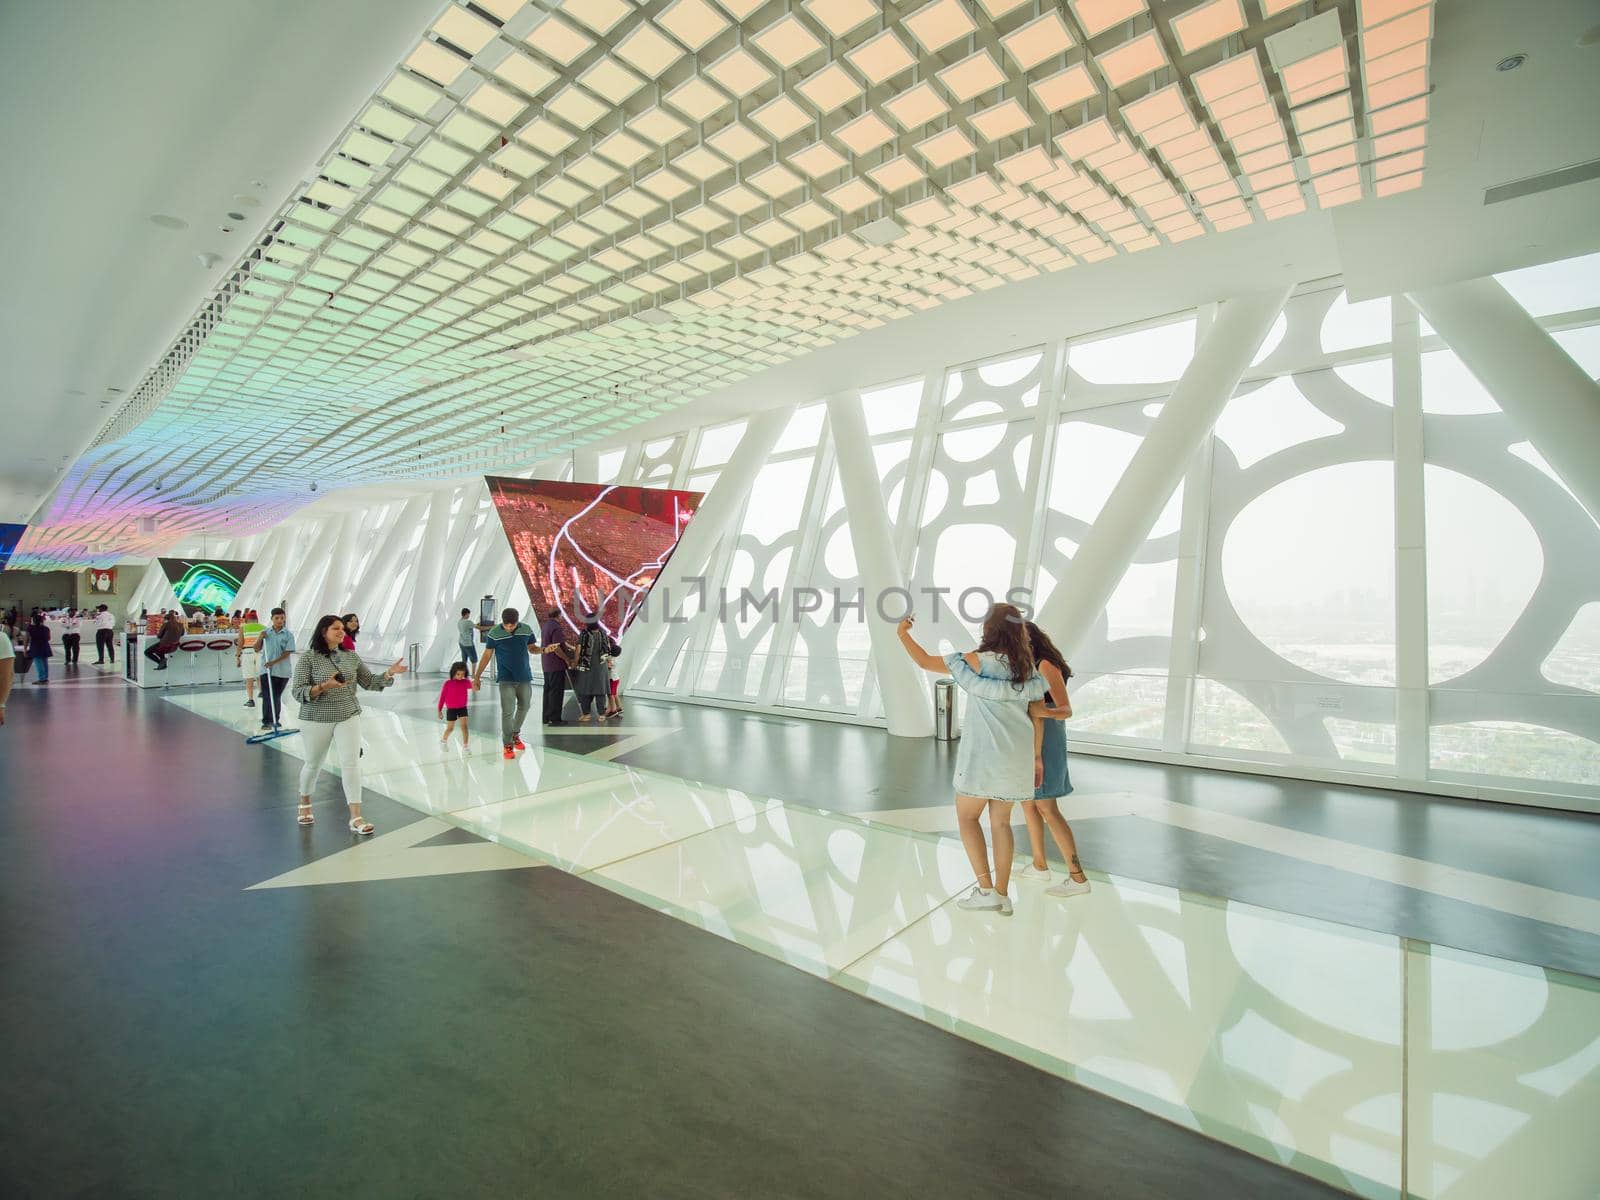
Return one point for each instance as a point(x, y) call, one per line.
point(509, 753)
point(519, 744)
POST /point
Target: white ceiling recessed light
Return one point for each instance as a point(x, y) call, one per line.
point(945, 147)
point(782, 118)
point(737, 142)
point(1207, 23)
point(840, 17)
point(864, 134)
point(692, 22)
point(576, 107)
point(1132, 60)
point(599, 15)
point(1097, 16)
point(610, 80)
point(658, 125)
point(830, 88)
point(460, 28)
point(1042, 38)
point(937, 24)
point(438, 64)
point(739, 72)
point(787, 42)
point(881, 57)
point(974, 74)
point(166, 222)
point(697, 99)
point(1065, 88)
point(818, 159)
point(556, 39)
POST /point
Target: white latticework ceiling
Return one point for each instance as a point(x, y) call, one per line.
point(554, 221)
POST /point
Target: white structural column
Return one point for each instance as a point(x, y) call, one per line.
point(425, 584)
point(900, 681)
point(1410, 551)
point(1219, 362)
point(1544, 392)
point(711, 521)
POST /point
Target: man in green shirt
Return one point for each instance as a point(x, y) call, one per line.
point(511, 644)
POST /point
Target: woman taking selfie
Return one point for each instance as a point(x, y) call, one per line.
point(325, 682)
point(998, 763)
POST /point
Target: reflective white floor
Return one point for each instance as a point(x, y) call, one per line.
point(1372, 1062)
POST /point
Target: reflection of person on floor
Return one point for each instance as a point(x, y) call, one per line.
point(325, 681)
point(1001, 739)
point(591, 678)
point(1042, 811)
point(277, 644)
point(510, 645)
point(453, 702)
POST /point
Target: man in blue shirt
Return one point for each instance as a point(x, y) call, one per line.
point(511, 645)
point(277, 644)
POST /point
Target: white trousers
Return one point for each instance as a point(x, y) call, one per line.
point(345, 738)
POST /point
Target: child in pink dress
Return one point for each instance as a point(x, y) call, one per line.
point(453, 702)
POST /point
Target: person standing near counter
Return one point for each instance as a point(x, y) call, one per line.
point(277, 644)
point(71, 638)
point(39, 648)
point(467, 638)
point(105, 638)
point(247, 654)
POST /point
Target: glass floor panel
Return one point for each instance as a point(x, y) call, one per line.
point(626, 814)
point(814, 890)
point(457, 783)
point(1379, 1064)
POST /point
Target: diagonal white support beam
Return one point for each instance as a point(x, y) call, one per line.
point(1219, 362)
point(1548, 395)
point(905, 695)
point(715, 516)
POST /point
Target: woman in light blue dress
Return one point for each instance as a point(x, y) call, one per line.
point(998, 762)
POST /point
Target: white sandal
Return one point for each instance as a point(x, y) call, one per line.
point(361, 825)
point(306, 817)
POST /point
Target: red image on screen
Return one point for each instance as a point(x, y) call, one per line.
point(589, 547)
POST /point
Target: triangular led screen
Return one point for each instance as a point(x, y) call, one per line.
point(590, 547)
point(10, 535)
point(205, 583)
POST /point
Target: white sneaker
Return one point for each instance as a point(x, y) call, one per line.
point(1032, 872)
point(1069, 887)
point(979, 900)
point(1005, 907)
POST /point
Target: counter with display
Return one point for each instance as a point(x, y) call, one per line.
point(200, 658)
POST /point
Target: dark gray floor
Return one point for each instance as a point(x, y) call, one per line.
point(511, 1033)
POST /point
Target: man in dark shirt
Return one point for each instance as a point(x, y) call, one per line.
point(551, 636)
point(511, 644)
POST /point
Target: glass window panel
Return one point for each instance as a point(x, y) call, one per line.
point(1557, 287)
point(893, 408)
point(1158, 354)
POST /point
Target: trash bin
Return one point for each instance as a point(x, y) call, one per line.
point(946, 724)
point(413, 653)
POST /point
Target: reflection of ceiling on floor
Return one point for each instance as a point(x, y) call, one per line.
point(550, 224)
